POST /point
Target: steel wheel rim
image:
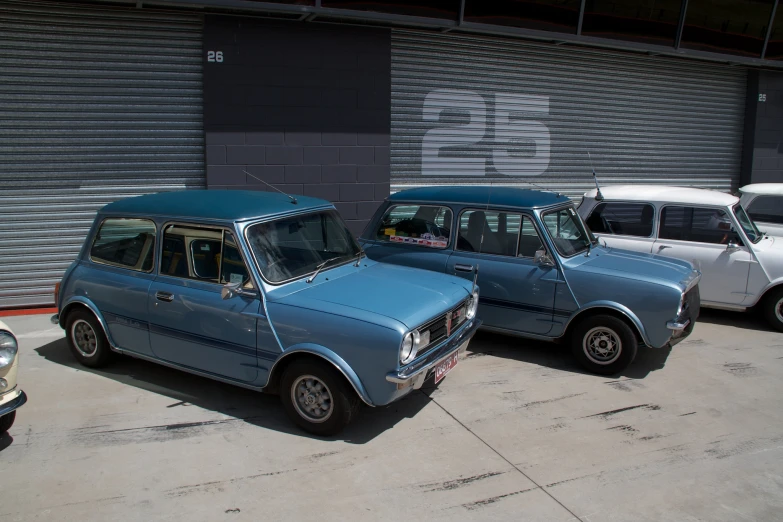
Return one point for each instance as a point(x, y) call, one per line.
point(779, 310)
point(312, 399)
point(84, 338)
point(602, 345)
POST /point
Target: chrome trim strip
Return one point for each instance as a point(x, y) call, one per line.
point(674, 325)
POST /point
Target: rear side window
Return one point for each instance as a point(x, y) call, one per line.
point(489, 232)
point(422, 225)
point(622, 219)
point(698, 225)
point(126, 243)
point(768, 209)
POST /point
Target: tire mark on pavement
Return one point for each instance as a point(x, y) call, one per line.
point(491, 500)
point(607, 414)
point(458, 483)
point(217, 484)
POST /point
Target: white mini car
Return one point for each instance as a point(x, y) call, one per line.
point(11, 397)
point(764, 203)
point(741, 267)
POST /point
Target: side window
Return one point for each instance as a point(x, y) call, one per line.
point(489, 232)
point(768, 209)
point(700, 225)
point(529, 240)
point(126, 243)
point(625, 219)
point(204, 254)
point(422, 225)
point(232, 268)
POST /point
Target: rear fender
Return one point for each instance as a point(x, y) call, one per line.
point(79, 300)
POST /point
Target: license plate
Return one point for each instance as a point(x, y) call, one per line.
point(445, 367)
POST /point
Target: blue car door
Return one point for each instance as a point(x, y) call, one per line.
point(517, 294)
point(123, 253)
point(412, 235)
point(190, 323)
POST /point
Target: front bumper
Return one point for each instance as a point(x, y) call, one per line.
point(417, 372)
point(55, 319)
point(13, 404)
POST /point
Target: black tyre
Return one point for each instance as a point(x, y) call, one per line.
point(87, 340)
point(6, 421)
point(603, 344)
point(317, 398)
point(772, 306)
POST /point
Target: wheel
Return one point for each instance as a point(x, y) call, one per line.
point(773, 308)
point(86, 339)
point(317, 398)
point(603, 344)
point(6, 421)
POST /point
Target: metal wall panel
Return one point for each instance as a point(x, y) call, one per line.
point(96, 105)
point(477, 110)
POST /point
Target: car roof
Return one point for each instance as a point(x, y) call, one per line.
point(766, 189)
point(222, 205)
point(665, 194)
point(481, 195)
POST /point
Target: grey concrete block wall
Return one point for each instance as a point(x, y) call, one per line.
point(306, 108)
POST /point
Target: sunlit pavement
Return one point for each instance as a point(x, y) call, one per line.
point(515, 432)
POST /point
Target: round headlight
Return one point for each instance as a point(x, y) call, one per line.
point(8, 349)
point(409, 346)
point(472, 306)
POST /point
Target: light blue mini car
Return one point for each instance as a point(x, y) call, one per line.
point(265, 291)
point(542, 273)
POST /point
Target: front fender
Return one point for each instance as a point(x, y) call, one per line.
point(81, 300)
point(337, 361)
point(617, 307)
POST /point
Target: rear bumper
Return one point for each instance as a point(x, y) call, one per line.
point(13, 404)
point(415, 374)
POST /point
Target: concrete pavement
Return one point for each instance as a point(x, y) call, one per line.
point(515, 432)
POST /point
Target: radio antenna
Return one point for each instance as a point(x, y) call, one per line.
point(293, 199)
point(598, 195)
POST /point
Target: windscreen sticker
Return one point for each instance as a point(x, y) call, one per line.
point(390, 232)
point(440, 242)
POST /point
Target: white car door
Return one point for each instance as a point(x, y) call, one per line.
point(620, 224)
point(707, 237)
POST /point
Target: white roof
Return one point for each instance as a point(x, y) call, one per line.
point(665, 194)
point(766, 189)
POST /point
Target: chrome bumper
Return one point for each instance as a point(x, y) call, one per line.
point(416, 373)
point(12, 405)
point(55, 319)
point(674, 325)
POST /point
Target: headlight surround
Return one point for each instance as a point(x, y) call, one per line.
point(407, 349)
point(472, 306)
point(8, 349)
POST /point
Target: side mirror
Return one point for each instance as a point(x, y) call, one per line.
point(732, 246)
point(542, 258)
point(230, 290)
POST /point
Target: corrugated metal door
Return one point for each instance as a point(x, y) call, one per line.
point(475, 110)
point(96, 104)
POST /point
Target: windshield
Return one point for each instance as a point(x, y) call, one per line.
point(747, 224)
point(295, 246)
point(567, 231)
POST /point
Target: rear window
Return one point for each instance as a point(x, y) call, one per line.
point(768, 209)
point(125, 243)
point(622, 219)
point(421, 225)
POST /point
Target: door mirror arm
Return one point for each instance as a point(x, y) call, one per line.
point(543, 259)
point(231, 290)
point(732, 246)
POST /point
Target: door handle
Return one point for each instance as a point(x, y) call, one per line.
point(463, 268)
point(164, 296)
point(661, 247)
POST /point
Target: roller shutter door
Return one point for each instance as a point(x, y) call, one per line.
point(97, 104)
point(477, 110)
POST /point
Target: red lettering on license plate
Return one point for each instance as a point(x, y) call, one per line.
point(445, 367)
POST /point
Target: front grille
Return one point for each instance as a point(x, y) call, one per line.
point(438, 327)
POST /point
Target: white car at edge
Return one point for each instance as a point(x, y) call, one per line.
point(764, 203)
point(741, 267)
point(11, 397)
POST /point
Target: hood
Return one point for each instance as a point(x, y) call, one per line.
point(636, 265)
point(769, 252)
point(409, 295)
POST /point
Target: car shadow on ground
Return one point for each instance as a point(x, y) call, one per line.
point(5, 440)
point(557, 356)
point(259, 409)
point(750, 320)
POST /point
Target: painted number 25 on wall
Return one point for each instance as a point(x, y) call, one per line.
point(215, 56)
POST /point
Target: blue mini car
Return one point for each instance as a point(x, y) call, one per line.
point(542, 273)
point(265, 291)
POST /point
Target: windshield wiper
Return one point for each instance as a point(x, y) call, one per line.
point(359, 255)
point(318, 269)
